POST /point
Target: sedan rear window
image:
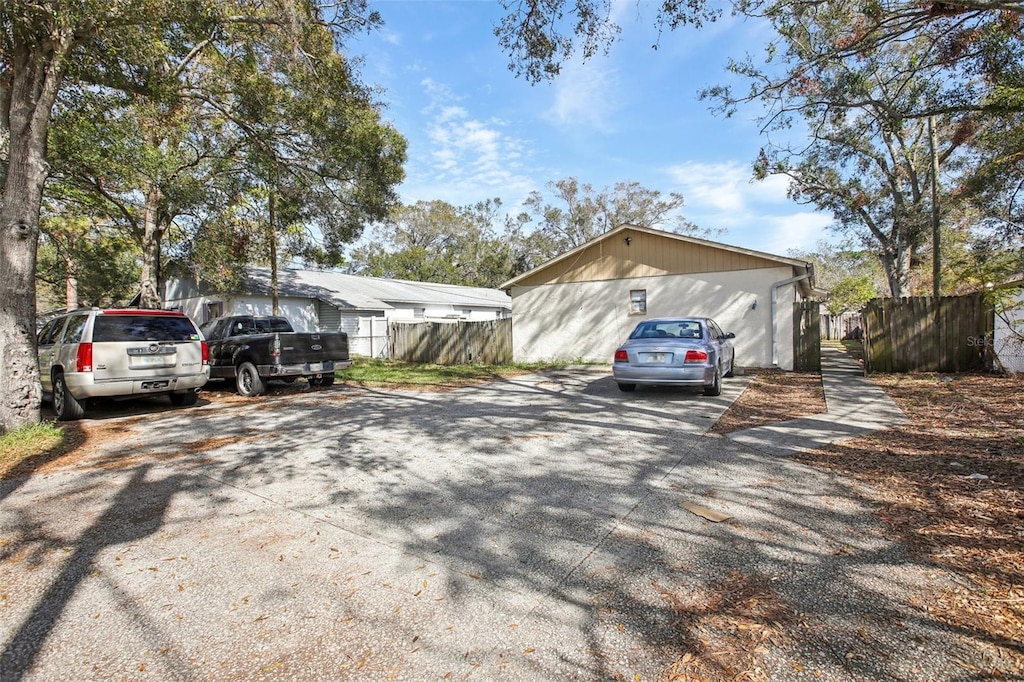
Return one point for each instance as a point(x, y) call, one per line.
point(676, 329)
point(143, 328)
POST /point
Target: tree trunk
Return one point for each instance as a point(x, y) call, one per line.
point(25, 105)
point(896, 263)
point(71, 282)
point(272, 210)
point(152, 232)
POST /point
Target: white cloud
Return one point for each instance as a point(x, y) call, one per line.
point(466, 159)
point(585, 96)
point(799, 231)
point(757, 215)
point(726, 186)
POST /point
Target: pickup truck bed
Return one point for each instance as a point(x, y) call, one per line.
point(256, 349)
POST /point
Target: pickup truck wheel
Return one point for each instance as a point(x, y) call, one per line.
point(67, 407)
point(184, 399)
point(327, 380)
point(249, 382)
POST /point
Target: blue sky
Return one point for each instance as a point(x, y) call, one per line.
point(475, 131)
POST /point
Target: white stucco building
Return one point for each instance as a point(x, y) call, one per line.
point(317, 300)
point(582, 304)
point(1008, 333)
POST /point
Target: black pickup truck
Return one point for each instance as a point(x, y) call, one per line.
point(254, 349)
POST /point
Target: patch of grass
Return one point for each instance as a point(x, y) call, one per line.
point(366, 371)
point(22, 445)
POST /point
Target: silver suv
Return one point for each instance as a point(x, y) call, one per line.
point(120, 354)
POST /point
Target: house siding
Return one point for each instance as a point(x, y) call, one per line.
point(587, 320)
point(646, 255)
point(1009, 328)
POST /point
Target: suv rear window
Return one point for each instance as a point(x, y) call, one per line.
point(142, 328)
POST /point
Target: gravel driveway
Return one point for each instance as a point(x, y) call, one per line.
point(526, 529)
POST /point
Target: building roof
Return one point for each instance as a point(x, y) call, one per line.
point(354, 292)
point(625, 231)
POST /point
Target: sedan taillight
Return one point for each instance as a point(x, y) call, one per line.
point(621, 356)
point(696, 356)
point(83, 360)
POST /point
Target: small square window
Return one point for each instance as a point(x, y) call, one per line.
point(638, 302)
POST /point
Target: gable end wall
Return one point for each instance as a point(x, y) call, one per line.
point(646, 255)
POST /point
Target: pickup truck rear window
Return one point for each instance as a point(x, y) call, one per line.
point(142, 328)
point(272, 324)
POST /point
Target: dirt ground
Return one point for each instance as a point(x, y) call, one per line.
point(949, 484)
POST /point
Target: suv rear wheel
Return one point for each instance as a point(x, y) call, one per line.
point(65, 405)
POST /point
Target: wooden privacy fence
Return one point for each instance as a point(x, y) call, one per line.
point(922, 333)
point(453, 343)
point(807, 336)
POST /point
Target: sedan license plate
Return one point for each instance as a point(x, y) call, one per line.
point(658, 358)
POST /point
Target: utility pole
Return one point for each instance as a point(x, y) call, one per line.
point(936, 243)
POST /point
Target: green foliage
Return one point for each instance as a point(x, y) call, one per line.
point(245, 127)
point(849, 272)
point(576, 213)
point(540, 35)
point(850, 294)
point(433, 241)
point(103, 263)
point(21, 446)
point(365, 371)
point(869, 159)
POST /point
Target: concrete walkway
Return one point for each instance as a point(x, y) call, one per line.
point(854, 406)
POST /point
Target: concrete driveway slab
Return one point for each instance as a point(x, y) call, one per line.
point(522, 530)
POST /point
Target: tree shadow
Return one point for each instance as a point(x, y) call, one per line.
point(136, 512)
point(560, 495)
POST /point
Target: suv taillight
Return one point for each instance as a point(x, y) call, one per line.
point(83, 360)
point(621, 356)
point(696, 356)
point(206, 353)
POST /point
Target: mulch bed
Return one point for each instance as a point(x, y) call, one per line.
point(949, 485)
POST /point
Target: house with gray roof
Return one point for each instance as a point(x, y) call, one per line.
point(323, 300)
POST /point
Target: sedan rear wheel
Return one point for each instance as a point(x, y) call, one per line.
point(716, 387)
point(628, 388)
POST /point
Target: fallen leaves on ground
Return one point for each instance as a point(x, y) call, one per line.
point(727, 626)
point(949, 485)
point(773, 396)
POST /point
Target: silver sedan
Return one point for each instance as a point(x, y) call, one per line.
point(675, 351)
